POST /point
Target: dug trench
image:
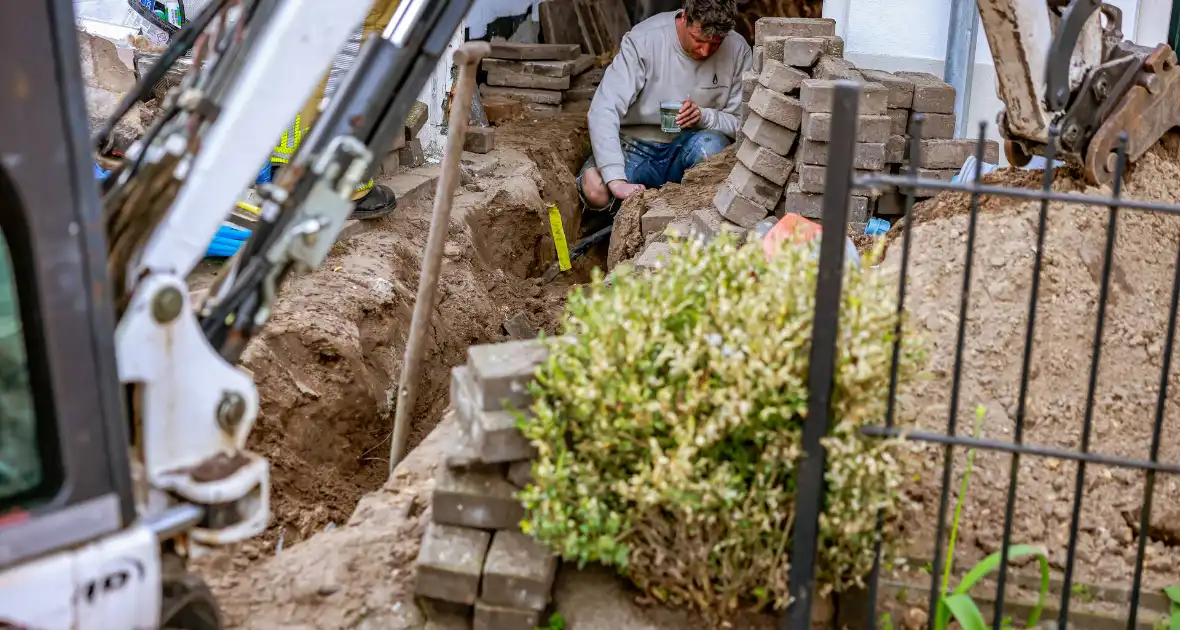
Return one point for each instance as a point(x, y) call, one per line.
point(328, 362)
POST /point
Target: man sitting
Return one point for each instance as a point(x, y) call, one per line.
point(690, 56)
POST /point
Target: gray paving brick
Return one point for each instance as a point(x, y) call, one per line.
point(450, 562)
point(769, 135)
point(817, 126)
point(489, 617)
point(901, 89)
point(931, 94)
point(802, 52)
point(503, 371)
point(754, 187)
point(792, 27)
point(780, 77)
point(782, 110)
point(518, 572)
point(765, 162)
point(475, 499)
point(736, 208)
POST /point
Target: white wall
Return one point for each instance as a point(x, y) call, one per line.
point(911, 35)
point(483, 12)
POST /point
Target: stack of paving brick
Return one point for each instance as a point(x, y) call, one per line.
point(787, 124)
point(406, 151)
point(541, 76)
point(787, 53)
point(474, 560)
point(923, 93)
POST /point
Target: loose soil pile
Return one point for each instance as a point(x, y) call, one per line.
point(328, 361)
point(695, 192)
point(1128, 380)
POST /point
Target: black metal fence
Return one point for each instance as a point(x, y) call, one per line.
point(841, 180)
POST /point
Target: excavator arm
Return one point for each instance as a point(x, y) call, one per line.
point(1064, 64)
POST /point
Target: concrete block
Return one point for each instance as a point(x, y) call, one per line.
point(867, 156)
point(707, 224)
point(754, 187)
point(765, 162)
point(943, 154)
point(589, 78)
point(497, 439)
point(901, 89)
point(769, 135)
point(417, 118)
point(450, 562)
point(524, 95)
point(736, 208)
point(391, 164)
point(749, 82)
point(936, 126)
point(479, 140)
point(813, 179)
point(944, 175)
point(489, 617)
point(478, 500)
point(772, 50)
point(520, 474)
point(895, 149)
point(891, 204)
point(780, 77)
point(657, 217)
point(932, 95)
point(759, 58)
point(818, 126)
point(833, 45)
point(503, 371)
point(783, 110)
point(899, 121)
point(549, 68)
point(811, 205)
point(792, 27)
point(545, 110)
point(831, 68)
point(574, 95)
point(411, 155)
point(652, 257)
point(802, 52)
point(464, 457)
point(518, 572)
point(418, 183)
point(816, 96)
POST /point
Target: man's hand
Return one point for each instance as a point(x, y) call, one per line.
point(623, 189)
point(689, 116)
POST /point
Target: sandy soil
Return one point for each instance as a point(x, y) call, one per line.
point(329, 359)
point(696, 191)
point(1128, 381)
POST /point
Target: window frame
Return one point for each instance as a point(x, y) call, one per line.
point(56, 237)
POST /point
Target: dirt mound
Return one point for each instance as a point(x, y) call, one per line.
point(1128, 382)
point(327, 363)
point(696, 191)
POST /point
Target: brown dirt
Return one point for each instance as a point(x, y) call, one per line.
point(697, 191)
point(329, 359)
point(1129, 375)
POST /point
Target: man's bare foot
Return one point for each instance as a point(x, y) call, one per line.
point(622, 189)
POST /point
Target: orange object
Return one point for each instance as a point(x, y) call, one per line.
point(793, 228)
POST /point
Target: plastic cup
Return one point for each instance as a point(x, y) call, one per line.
point(669, 110)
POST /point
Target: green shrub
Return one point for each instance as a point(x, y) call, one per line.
point(669, 418)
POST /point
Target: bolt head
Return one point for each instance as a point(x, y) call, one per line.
point(230, 410)
point(167, 304)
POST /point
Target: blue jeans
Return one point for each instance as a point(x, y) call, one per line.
point(654, 164)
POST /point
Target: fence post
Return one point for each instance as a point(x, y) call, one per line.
point(809, 497)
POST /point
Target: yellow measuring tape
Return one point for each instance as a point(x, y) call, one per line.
point(563, 250)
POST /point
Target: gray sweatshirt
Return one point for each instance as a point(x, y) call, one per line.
point(652, 67)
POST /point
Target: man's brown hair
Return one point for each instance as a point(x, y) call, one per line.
point(715, 17)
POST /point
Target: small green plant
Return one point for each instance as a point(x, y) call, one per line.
point(1082, 592)
point(668, 421)
point(886, 622)
point(1173, 618)
point(556, 622)
point(958, 605)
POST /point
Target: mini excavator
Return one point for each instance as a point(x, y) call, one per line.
point(1064, 64)
point(123, 414)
